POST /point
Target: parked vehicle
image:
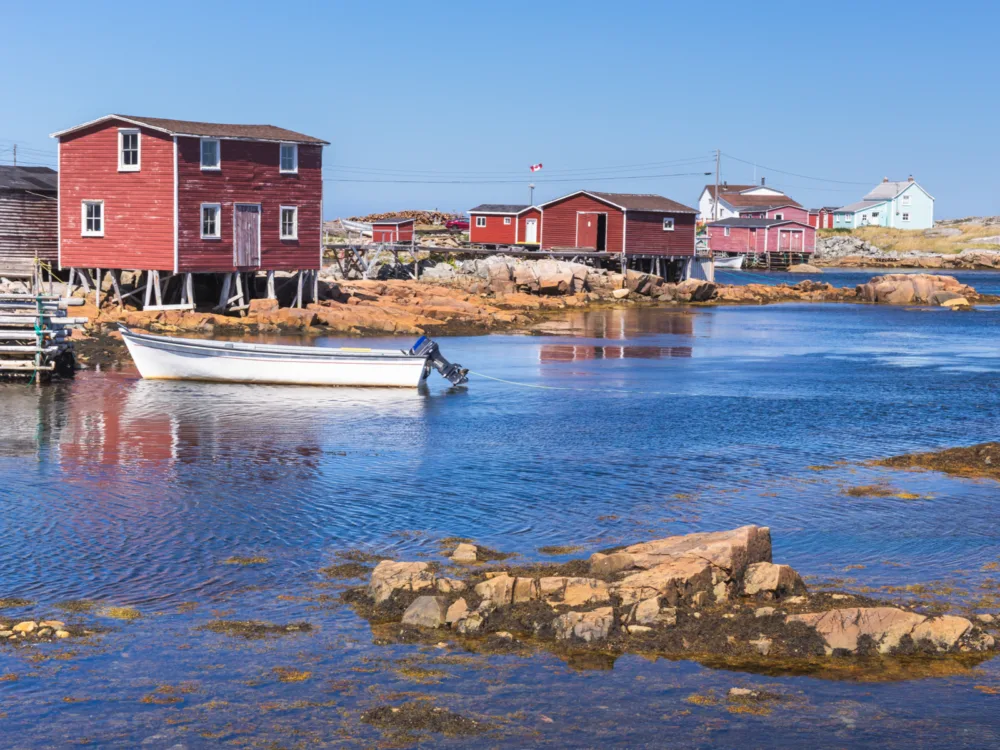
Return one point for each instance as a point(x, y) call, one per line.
point(460, 224)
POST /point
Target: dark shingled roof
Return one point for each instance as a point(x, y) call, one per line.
point(393, 220)
point(723, 189)
point(644, 202)
point(738, 221)
point(499, 208)
point(39, 179)
point(210, 129)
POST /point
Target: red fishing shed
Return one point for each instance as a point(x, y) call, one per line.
point(505, 224)
point(394, 230)
point(168, 196)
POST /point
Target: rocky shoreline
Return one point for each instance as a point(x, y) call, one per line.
point(847, 251)
point(704, 596)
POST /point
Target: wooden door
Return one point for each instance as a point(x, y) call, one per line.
point(531, 231)
point(586, 230)
point(246, 235)
point(796, 243)
point(784, 241)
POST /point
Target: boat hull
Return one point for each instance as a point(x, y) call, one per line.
point(733, 262)
point(163, 358)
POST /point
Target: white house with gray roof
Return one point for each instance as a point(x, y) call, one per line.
point(900, 204)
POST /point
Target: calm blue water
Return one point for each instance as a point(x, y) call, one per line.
point(616, 426)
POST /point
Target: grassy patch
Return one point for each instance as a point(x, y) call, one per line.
point(120, 613)
point(879, 490)
point(285, 674)
point(560, 549)
point(914, 240)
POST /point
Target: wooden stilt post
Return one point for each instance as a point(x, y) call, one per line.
point(315, 285)
point(69, 283)
point(298, 293)
point(239, 290)
point(189, 288)
point(85, 281)
point(270, 285)
point(227, 281)
point(97, 290)
point(147, 298)
point(116, 286)
point(157, 289)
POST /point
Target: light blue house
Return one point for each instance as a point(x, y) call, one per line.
point(899, 205)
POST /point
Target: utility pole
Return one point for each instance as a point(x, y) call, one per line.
point(15, 154)
point(715, 205)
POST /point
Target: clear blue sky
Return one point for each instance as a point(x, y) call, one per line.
point(459, 91)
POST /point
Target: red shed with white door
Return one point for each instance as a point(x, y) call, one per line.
point(505, 224)
point(179, 197)
point(757, 236)
point(639, 225)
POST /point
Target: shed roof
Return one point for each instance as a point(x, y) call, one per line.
point(760, 201)
point(887, 190)
point(633, 202)
point(205, 129)
point(859, 206)
point(499, 208)
point(29, 178)
point(739, 221)
point(393, 220)
point(723, 189)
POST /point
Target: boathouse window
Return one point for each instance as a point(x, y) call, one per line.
point(92, 219)
point(668, 225)
point(289, 158)
point(906, 199)
point(211, 224)
point(210, 153)
point(906, 217)
point(506, 220)
point(128, 150)
point(480, 221)
point(726, 231)
point(874, 214)
point(779, 217)
point(289, 223)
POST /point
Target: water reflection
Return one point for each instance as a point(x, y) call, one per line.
point(621, 324)
point(575, 352)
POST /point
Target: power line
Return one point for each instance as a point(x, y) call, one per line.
point(448, 173)
point(793, 174)
point(518, 182)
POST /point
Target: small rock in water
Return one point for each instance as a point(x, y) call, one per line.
point(763, 645)
point(425, 612)
point(764, 612)
point(6, 633)
point(988, 619)
point(54, 624)
point(62, 634)
point(465, 553)
point(28, 626)
point(737, 692)
point(44, 632)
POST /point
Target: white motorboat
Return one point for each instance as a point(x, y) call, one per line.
point(730, 262)
point(169, 358)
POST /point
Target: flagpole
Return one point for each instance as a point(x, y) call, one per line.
point(531, 194)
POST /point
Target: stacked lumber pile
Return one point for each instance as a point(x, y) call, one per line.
point(436, 218)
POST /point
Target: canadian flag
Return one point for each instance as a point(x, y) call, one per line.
point(535, 167)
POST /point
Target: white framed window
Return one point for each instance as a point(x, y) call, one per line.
point(874, 214)
point(289, 223)
point(480, 221)
point(506, 220)
point(128, 150)
point(906, 199)
point(289, 158)
point(668, 224)
point(92, 219)
point(211, 156)
point(906, 217)
point(211, 221)
point(726, 231)
point(779, 217)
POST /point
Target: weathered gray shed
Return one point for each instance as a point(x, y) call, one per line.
point(28, 217)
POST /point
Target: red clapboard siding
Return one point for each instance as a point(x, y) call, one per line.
point(522, 224)
point(644, 234)
point(138, 206)
point(789, 213)
point(249, 174)
point(738, 241)
point(392, 232)
point(495, 232)
point(560, 222)
point(27, 228)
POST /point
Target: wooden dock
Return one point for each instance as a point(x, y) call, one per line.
point(35, 335)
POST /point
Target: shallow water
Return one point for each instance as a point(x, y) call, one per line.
point(984, 282)
point(613, 427)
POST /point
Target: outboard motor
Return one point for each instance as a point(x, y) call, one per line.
point(455, 374)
